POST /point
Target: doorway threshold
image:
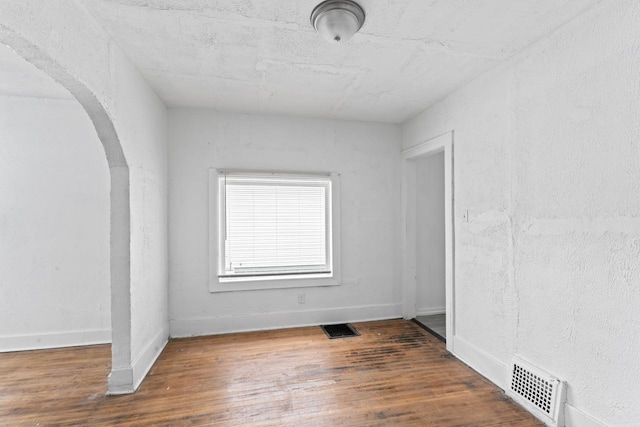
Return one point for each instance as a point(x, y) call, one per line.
point(434, 324)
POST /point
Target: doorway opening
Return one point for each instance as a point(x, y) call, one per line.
point(54, 181)
point(430, 248)
point(428, 281)
point(120, 379)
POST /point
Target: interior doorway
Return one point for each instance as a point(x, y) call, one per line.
point(428, 281)
point(54, 181)
point(121, 378)
point(430, 246)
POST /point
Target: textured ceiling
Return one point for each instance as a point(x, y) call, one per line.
point(264, 56)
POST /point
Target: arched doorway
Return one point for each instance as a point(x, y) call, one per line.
point(120, 379)
point(54, 210)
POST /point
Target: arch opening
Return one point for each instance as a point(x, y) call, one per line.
point(121, 377)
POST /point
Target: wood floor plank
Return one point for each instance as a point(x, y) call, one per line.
point(393, 374)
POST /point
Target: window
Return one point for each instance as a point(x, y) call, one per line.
point(275, 230)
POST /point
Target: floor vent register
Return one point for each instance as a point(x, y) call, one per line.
point(538, 391)
point(342, 330)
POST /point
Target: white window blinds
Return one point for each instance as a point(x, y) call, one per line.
point(274, 224)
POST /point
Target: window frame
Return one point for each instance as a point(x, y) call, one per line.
point(273, 281)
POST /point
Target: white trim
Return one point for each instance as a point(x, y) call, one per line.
point(120, 270)
point(215, 285)
point(280, 320)
point(120, 381)
point(483, 363)
point(147, 357)
point(574, 417)
point(442, 143)
point(497, 372)
point(54, 340)
point(430, 311)
point(554, 415)
point(127, 380)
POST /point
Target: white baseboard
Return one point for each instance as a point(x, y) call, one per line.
point(54, 340)
point(574, 417)
point(147, 357)
point(430, 311)
point(127, 380)
point(485, 364)
point(281, 320)
point(120, 381)
point(496, 372)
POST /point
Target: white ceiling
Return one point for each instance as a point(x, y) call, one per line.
point(264, 56)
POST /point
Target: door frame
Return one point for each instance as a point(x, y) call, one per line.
point(441, 143)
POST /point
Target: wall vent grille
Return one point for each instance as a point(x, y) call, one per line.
point(538, 391)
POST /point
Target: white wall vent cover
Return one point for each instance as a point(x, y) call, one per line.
point(539, 392)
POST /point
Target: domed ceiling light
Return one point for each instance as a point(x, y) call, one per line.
point(337, 20)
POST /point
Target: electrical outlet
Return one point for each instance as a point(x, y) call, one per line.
point(302, 298)
point(465, 215)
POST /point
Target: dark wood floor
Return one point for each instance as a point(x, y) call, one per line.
point(395, 373)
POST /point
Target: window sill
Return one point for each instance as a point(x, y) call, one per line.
point(272, 282)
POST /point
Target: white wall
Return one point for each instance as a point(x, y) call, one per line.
point(54, 226)
point(368, 158)
point(143, 129)
point(430, 249)
point(547, 161)
point(62, 39)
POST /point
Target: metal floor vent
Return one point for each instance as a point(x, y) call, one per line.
point(538, 391)
point(341, 330)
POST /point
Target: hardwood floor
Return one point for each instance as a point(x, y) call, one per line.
point(394, 374)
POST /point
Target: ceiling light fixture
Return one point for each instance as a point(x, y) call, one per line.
point(337, 20)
